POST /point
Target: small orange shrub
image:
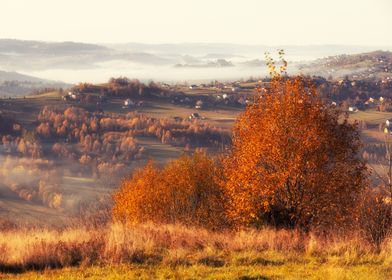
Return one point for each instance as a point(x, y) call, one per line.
point(186, 191)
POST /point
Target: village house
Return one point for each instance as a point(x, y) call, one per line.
point(128, 102)
point(193, 86)
point(194, 116)
point(370, 103)
point(199, 104)
point(236, 89)
point(66, 98)
point(17, 127)
point(73, 95)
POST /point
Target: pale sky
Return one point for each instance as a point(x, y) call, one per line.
point(297, 22)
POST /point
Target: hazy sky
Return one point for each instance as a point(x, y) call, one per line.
point(361, 22)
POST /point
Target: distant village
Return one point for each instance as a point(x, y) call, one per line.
point(361, 67)
point(134, 94)
point(349, 95)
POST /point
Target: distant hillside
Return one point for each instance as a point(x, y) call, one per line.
point(371, 65)
point(14, 76)
point(19, 55)
point(12, 46)
point(16, 84)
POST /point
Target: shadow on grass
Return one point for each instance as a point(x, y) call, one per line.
point(258, 277)
point(19, 269)
point(265, 262)
point(259, 261)
point(14, 269)
point(211, 261)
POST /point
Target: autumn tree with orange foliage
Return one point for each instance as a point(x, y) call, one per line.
point(185, 191)
point(294, 162)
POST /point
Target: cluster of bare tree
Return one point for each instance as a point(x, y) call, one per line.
point(34, 180)
point(99, 133)
point(104, 142)
point(374, 152)
point(21, 145)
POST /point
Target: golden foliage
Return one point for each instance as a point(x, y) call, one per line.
point(294, 161)
point(271, 64)
point(186, 191)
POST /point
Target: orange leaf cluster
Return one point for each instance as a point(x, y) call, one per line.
point(186, 191)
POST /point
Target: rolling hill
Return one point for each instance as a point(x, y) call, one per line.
point(13, 84)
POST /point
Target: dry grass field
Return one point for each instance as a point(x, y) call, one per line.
point(176, 252)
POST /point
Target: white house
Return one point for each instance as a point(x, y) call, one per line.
point(128, 102)
point(194, 116)
point(66, 97)
point(235, 89)
point(199, 104)
point(192, 86)
point(72, 95)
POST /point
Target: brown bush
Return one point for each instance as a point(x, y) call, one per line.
point(375, 216)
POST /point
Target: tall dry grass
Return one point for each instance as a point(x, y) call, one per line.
point(36, 249)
